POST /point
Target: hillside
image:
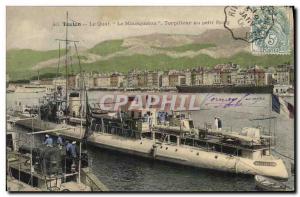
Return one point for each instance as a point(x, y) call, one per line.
point(107, 47)
point(152, 52)
point(164, 62)
point(19, 62)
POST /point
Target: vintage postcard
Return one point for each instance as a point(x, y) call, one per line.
point(150, 99)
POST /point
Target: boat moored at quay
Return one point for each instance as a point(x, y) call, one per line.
point(178, 141)
point(174, 139)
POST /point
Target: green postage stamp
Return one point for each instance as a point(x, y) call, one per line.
point(269, 28)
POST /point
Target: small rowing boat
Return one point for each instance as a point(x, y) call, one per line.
point(293, 168)
point(268, 184)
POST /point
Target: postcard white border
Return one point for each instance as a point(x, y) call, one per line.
point(4, 3)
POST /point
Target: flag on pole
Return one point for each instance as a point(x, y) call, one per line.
point(290, 108)
point(281, 106)
point(275, 104)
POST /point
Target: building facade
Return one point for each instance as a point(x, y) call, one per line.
point(282, 75)
point(221, 74)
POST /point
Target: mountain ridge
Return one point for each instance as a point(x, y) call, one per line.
point(152, 51)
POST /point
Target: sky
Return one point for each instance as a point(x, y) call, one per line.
point(36, 27)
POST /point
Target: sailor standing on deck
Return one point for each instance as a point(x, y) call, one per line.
point(49, 141)
point(59, 142)
point(219, 124)
point(73, 150)
point(68, 148)
point(74, 156)
point(216, 124)
point(149, 120)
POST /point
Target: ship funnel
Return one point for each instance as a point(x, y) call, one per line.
point(74, 104)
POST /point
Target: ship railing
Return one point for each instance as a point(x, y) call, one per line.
point(115, 130)
point(214, 147)
point(208, 144)
point(88, 178)
point(97, 127)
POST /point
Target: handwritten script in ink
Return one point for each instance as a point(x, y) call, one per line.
point(220, 101)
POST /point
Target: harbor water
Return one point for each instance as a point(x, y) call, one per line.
point(122, 172)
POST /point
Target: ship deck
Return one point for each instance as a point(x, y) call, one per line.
point(19, 177)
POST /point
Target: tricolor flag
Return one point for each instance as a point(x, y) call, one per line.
point(290, 108)
point(282, 107)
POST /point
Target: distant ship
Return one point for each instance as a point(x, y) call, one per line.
point(267, 89)
point(33, 89)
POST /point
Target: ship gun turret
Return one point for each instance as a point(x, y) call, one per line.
point(51, 160)
point(176, 130)
point(46, 160)
point(248, 136)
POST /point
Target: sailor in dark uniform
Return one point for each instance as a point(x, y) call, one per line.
point(219, 124)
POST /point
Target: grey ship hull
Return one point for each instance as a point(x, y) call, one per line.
point(182, 154)
point(37, 124)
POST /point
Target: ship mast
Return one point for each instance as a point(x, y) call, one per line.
point(66, 40)
point(81, 85)
point(66, 61)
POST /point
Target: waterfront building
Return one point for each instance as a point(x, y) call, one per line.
point(88, 80)
point(207, 78)
point(124, 83)
point(77, 81)
point(292, 74)
point(228, 73)
point(59, 81)
point(116, 80)
point(102, 80)
point(283, 89)
point(212, 77)
point(220, 74)
point(256, 76)
point(188, 77)
point(216, 76)
point(72, 81)
point(35, 82)
point(177, 78)
point(282, 75)
point(132, 79)
point(165, 79)
point(197, 76)
point(46, 82)
point(154, 79)
point(241, 77)
point(269, 73)
point(225, 75)
point(173, 79)
point(142, 79)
